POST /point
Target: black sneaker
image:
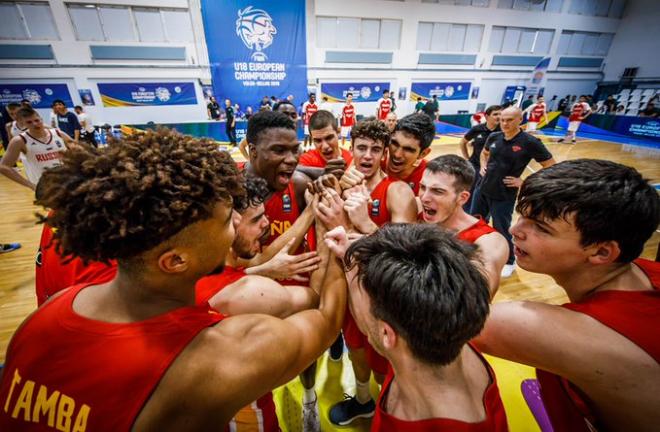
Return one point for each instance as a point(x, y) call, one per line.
point(343, 413)
point(337, 349)
point(560, 140)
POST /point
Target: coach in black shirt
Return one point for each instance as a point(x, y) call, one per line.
point(503, 160)
point(230, 126)
point(477, 136)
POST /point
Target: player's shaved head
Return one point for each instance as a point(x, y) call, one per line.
point(514, 112)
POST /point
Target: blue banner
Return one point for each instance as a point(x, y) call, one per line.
point(641, 127)
point(147, 94)
point(256, 48)
point(362, 92)
point(39, 95)
point(443, 90)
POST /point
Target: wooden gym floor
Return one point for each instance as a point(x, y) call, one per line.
point(17, 298)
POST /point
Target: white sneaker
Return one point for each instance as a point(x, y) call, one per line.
point(508, 270)
point(311, 419)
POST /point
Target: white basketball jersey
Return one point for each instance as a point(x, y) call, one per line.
point(42, 154)
point(15, 130)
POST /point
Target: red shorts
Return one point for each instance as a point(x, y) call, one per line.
point(355, 339)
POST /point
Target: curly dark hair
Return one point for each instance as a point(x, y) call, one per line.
point(372, 129)
point(257, 192)
point(119, 202)
point(265, 120)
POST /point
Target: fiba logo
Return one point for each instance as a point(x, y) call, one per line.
point(32, 95)
point(255, 28)
point(163, 94)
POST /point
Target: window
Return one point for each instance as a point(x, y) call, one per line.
point(602, 8)
point(584, 43)
point(479, 3)
point(149, 25)
point(348, 33)
point(117, 23)
point(532, 5)
point(27, 21)
point(121, 23)
point(520, 40)
point(449, 37)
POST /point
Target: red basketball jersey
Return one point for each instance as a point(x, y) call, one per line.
point(378, 211)
point(348, 115)
point(415, 177)
point(54, 273)
point(536, 113)
point(633, 314)
point(79, 374)
point(313, 158)
point(495, 416)
point(309, 109)
point(472, 233)
point(384, 108)
point(578, 111)
point(208, 286)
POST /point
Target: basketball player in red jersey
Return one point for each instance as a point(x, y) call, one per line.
point(41, 148)
point(384, 106)
point(379, 200)
point(308, 110)
point(580, 111)
point(584, 222)
point(325, 137)
point(536, 113)
point(444, 189)
point(160, 204)
point(404, 285)
point(235, 292)
point(274, 154)
point(410, 143)
point(347, 118)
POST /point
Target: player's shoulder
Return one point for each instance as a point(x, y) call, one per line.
point(400, 189)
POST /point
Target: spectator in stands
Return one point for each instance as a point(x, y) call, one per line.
point(213, 109)
point(610, 105)
point(265, 102)
point(621, 110)
point(650, 110)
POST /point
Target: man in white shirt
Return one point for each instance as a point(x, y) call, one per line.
point(87, 125)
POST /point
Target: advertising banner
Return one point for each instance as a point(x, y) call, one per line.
point(116, 95)
point(445, 91)
point(536, 84)
point(362, 91)
point(256, 48)
point(39, 95)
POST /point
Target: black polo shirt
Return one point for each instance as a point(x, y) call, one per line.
point(478, 135)
point(508, 158)
point(68, 123)
point(229, 112)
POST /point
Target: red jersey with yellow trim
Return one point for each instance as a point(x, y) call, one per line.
point(384, 107)
point(536, 113)
point(579, 110)
point(313, 158)
point(53, 273)
point(633, 314)
point(74, 373)
point(495, 416)
point(472, 233)
point(260, 415)
point(282, 211)
point(309, 109)
point(348, 115)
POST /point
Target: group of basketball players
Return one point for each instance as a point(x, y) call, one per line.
point(178, 289)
